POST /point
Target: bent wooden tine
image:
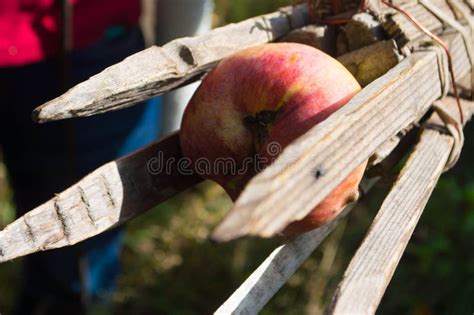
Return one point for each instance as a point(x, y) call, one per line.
point(287, 190)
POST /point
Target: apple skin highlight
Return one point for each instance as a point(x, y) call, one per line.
point(260, 96)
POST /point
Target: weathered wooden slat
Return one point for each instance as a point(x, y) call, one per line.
point(287, 190)
point(255, 292)
point(470, 3)
point(156, 70)
point(111, 195)
point(374, 263)
point(462, 11)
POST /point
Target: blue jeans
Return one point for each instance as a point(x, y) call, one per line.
point(45, 159)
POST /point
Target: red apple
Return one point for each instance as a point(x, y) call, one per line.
point(259, 96)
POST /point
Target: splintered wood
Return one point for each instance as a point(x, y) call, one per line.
point(375, 60)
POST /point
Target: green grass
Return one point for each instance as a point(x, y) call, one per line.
point(9, 272)
point(237, 10)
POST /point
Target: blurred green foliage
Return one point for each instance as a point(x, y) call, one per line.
point(169, 266)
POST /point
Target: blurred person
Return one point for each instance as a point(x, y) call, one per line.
point(45, 159)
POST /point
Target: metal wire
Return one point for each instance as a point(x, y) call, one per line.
point(421, 27)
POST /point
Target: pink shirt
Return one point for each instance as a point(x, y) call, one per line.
point(29, 29)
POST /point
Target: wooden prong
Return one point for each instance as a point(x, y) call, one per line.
point(403, 30)
point(280, 265)
point(156, 70)
point(287, 191)
point(111, 195)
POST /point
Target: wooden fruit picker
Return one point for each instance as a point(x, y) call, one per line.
point(404, 74)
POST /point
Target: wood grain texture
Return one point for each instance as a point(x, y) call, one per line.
point(470, 3)
point(287, 190)
point(156, 70)
point(374, 263)
point(111, 195)
point(255, 292)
